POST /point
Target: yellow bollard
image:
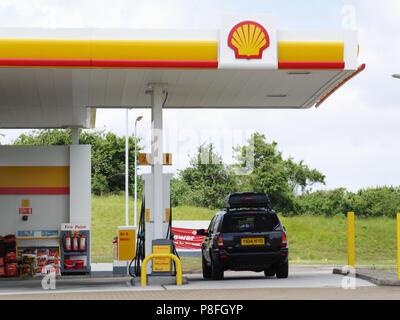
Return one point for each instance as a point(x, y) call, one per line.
point(350, 239)
point(398, 246)
point(162, 255)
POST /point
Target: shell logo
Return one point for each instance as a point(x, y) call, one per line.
point(248, 39)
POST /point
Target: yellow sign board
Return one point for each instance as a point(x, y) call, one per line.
point(126, 243)
point(144, 159)
point(161, 264)
point(167, 159)
point(25, 203)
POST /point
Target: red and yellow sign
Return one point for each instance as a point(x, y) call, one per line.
point(167, 159)
point(34, 180)
point(311, 55)
point(108, 53)
point(25, 207)
point(144, 159)
point(248, 39)
point(161, 264)
point(126, 244)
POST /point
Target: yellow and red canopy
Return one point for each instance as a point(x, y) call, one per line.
point(156, 54)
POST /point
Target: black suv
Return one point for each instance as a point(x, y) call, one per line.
point(246, 236)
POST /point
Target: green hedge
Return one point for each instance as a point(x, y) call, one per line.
point(371, 202)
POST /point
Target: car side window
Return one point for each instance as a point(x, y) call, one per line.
point(217, 224)
point(210, 227)
point(220, 222)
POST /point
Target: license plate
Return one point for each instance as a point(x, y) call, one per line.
point(252, 241)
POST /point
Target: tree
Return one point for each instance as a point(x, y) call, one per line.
point(275, 176)
point(301, 176)
point(206, 182)
point(325, 202)
point(374, 202)
point(47, 137)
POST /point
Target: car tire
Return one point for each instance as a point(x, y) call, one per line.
point(269, 272)
point(217, 272)
point(206, 268)
point(282, 272)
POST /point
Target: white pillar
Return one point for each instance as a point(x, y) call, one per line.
point(157, 157)
point(127, 168)
point(74, 136)
point(135, 158)
point(80, 184)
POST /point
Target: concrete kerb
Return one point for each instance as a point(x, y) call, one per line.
point(378, 277)
point(151, 280)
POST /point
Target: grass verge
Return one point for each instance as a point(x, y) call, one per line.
point(312, 239)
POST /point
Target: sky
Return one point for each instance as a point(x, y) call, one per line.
point(353, 138)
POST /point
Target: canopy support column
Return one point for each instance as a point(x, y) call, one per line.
point(75, 136)
point(157, 95)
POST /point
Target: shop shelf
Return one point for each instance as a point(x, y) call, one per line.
point(71, 253)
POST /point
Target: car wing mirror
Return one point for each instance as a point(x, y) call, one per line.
point(202, 232)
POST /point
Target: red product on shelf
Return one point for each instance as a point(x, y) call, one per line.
point(11, 270)
point(75, 245)
point(9, 242)
point(9, 238)
point(11, 256)
point(82, 243)
point(79, 264)
point(69, 264)
point(1, 261)
point(67, 242)
point(42, 252)
point(53, 253)
point(2, 271)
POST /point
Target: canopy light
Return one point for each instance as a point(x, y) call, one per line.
point(299, 72)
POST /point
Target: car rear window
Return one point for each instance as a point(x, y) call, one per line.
point(249, 222)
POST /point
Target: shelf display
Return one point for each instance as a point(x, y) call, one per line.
point(8, 256)
point(29, 256)
point(34, 261)
point(75, 253)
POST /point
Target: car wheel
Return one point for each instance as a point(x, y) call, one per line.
point(269, 272)
point(282, 272)
point(206, 268)
point(217, 272)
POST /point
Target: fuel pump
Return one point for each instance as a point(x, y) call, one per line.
point(140, 242)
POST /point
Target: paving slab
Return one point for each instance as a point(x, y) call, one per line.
point(378, 277)
point(300, 277)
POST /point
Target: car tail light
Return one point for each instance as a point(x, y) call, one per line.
point(284, 241)
point(220, 241)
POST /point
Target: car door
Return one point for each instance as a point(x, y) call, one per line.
point(207, 240)
point(215, 231)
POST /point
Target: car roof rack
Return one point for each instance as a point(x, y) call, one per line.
point(247, 200)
